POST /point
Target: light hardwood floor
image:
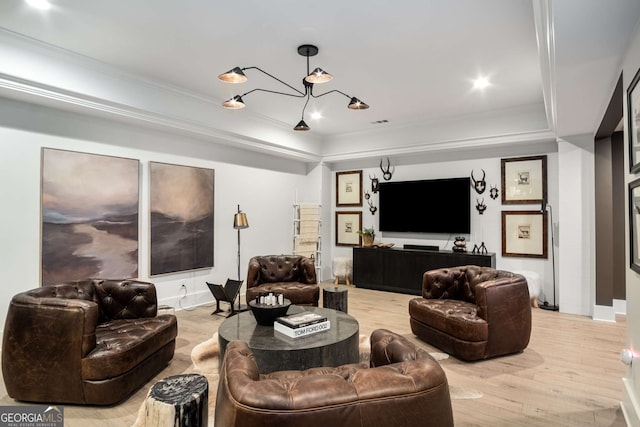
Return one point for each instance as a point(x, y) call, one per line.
point(570, 374)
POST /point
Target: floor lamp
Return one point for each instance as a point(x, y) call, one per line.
point(545, 305)
point(239, 222)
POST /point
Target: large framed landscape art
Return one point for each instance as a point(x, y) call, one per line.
point(89, 216)
point(181, 217)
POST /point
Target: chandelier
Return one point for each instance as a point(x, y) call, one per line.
point(317, 76)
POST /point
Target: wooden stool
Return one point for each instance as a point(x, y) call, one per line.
point(179, 400)
point(342, 267)
point(335, 298)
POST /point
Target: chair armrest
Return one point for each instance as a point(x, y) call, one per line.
point(505, 305)
point(388, 347)
point(43, 344)
point(253, 273)
point(308, 271)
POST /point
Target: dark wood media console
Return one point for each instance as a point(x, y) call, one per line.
point(401, 270)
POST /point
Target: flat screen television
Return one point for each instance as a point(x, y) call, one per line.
point(426, 206)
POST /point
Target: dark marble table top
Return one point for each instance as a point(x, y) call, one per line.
point(274, 351)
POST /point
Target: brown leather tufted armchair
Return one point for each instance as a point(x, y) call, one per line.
point(473, 312)
point(292, 275)
point(88, 342)
point(403, 386)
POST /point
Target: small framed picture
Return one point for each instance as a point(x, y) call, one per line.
point(524, 180)
point(633, 113)
point(349, 188)
point(634, 224)
point(524, 234)
point(347, 227)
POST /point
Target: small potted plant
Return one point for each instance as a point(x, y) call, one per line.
point(368, 234)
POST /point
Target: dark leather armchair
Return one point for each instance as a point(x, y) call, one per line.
point(88, 342)
point(294, 276)
point(403, 386)
point(473, 312)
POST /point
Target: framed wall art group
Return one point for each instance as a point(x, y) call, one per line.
point(524, 232)
point(348, 194)
point(633, 128)
point(90, 217)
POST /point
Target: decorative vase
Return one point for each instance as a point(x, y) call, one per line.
point(367, 239)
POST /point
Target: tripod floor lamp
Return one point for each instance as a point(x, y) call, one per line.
point(239, 222)
point(545, 305)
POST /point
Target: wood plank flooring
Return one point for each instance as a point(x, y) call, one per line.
point(570, 375)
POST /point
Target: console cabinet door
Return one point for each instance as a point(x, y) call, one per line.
point(367, 268)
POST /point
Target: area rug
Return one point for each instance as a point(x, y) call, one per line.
point(205, 362)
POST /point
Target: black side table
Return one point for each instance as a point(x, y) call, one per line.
point(335, 298)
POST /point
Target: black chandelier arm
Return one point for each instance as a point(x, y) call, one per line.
point(277, 79)
point(331, 91)
point(305, 107)
point(302, 95)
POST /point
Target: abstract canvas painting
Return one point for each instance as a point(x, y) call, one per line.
point(181, 217)
point(89, 216)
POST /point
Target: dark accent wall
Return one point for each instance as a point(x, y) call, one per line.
point(618, 148)
point(609, 201)
point(604, 223)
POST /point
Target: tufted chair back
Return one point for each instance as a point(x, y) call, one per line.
point(281, 268)
point(125, 299)
point(459, 283)
point(116, 299)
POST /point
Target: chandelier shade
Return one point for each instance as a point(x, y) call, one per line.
point(317, 76)
point(355, 104)
point(235, 75)
point(301, 126)
point(235, 103)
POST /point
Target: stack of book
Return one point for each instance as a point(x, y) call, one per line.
point(301, 325)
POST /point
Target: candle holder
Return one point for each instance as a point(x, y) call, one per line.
point(266, 310)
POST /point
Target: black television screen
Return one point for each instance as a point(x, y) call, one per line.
point(426, 206)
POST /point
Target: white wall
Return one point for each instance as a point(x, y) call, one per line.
point(265, 194)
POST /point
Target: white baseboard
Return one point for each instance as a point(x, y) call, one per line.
point(620, 306)
point(192, 300)
point(629, 405)
point(604, 313)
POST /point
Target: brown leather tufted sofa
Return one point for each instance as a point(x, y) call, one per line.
point(402, 386)
point(292, 275)
point(89, 342)
point(473, 312)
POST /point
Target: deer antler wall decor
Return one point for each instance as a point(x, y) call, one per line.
point(387, 173)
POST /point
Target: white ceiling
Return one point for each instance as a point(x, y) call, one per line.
point(413, 62)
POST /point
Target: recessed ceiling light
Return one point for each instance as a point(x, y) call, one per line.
point(481, 83)
point(316, 115)
point(40, 4)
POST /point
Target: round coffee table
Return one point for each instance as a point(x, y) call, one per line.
point(276, 352)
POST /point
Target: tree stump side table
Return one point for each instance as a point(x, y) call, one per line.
point(335, 298)
point(179, 400)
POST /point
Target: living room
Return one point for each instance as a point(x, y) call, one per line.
point(266, 184)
